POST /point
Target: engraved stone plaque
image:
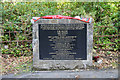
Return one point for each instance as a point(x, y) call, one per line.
point(62, 44)
point(63, 41)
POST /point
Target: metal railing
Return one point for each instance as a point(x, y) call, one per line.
point(111, 37)
point(12, 37)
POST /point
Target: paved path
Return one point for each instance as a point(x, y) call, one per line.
point(67, 74)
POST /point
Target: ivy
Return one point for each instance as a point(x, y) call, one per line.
point(17, 15)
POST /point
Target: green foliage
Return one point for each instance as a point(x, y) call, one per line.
point(17, 15)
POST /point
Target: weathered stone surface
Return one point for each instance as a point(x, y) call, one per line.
point(61, 64)
point(66, 74)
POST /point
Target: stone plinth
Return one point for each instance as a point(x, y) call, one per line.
point(42, 64)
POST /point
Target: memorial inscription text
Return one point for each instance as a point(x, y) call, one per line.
point(63, 41)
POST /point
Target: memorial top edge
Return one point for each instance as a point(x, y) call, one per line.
point(60, 19)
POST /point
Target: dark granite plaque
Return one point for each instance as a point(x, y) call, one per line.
point(63, 41)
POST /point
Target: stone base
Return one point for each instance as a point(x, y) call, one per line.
point(57, 75)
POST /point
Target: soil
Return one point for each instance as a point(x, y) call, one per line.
point(11, 64)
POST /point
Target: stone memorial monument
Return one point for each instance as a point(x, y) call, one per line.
point(62, 44)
